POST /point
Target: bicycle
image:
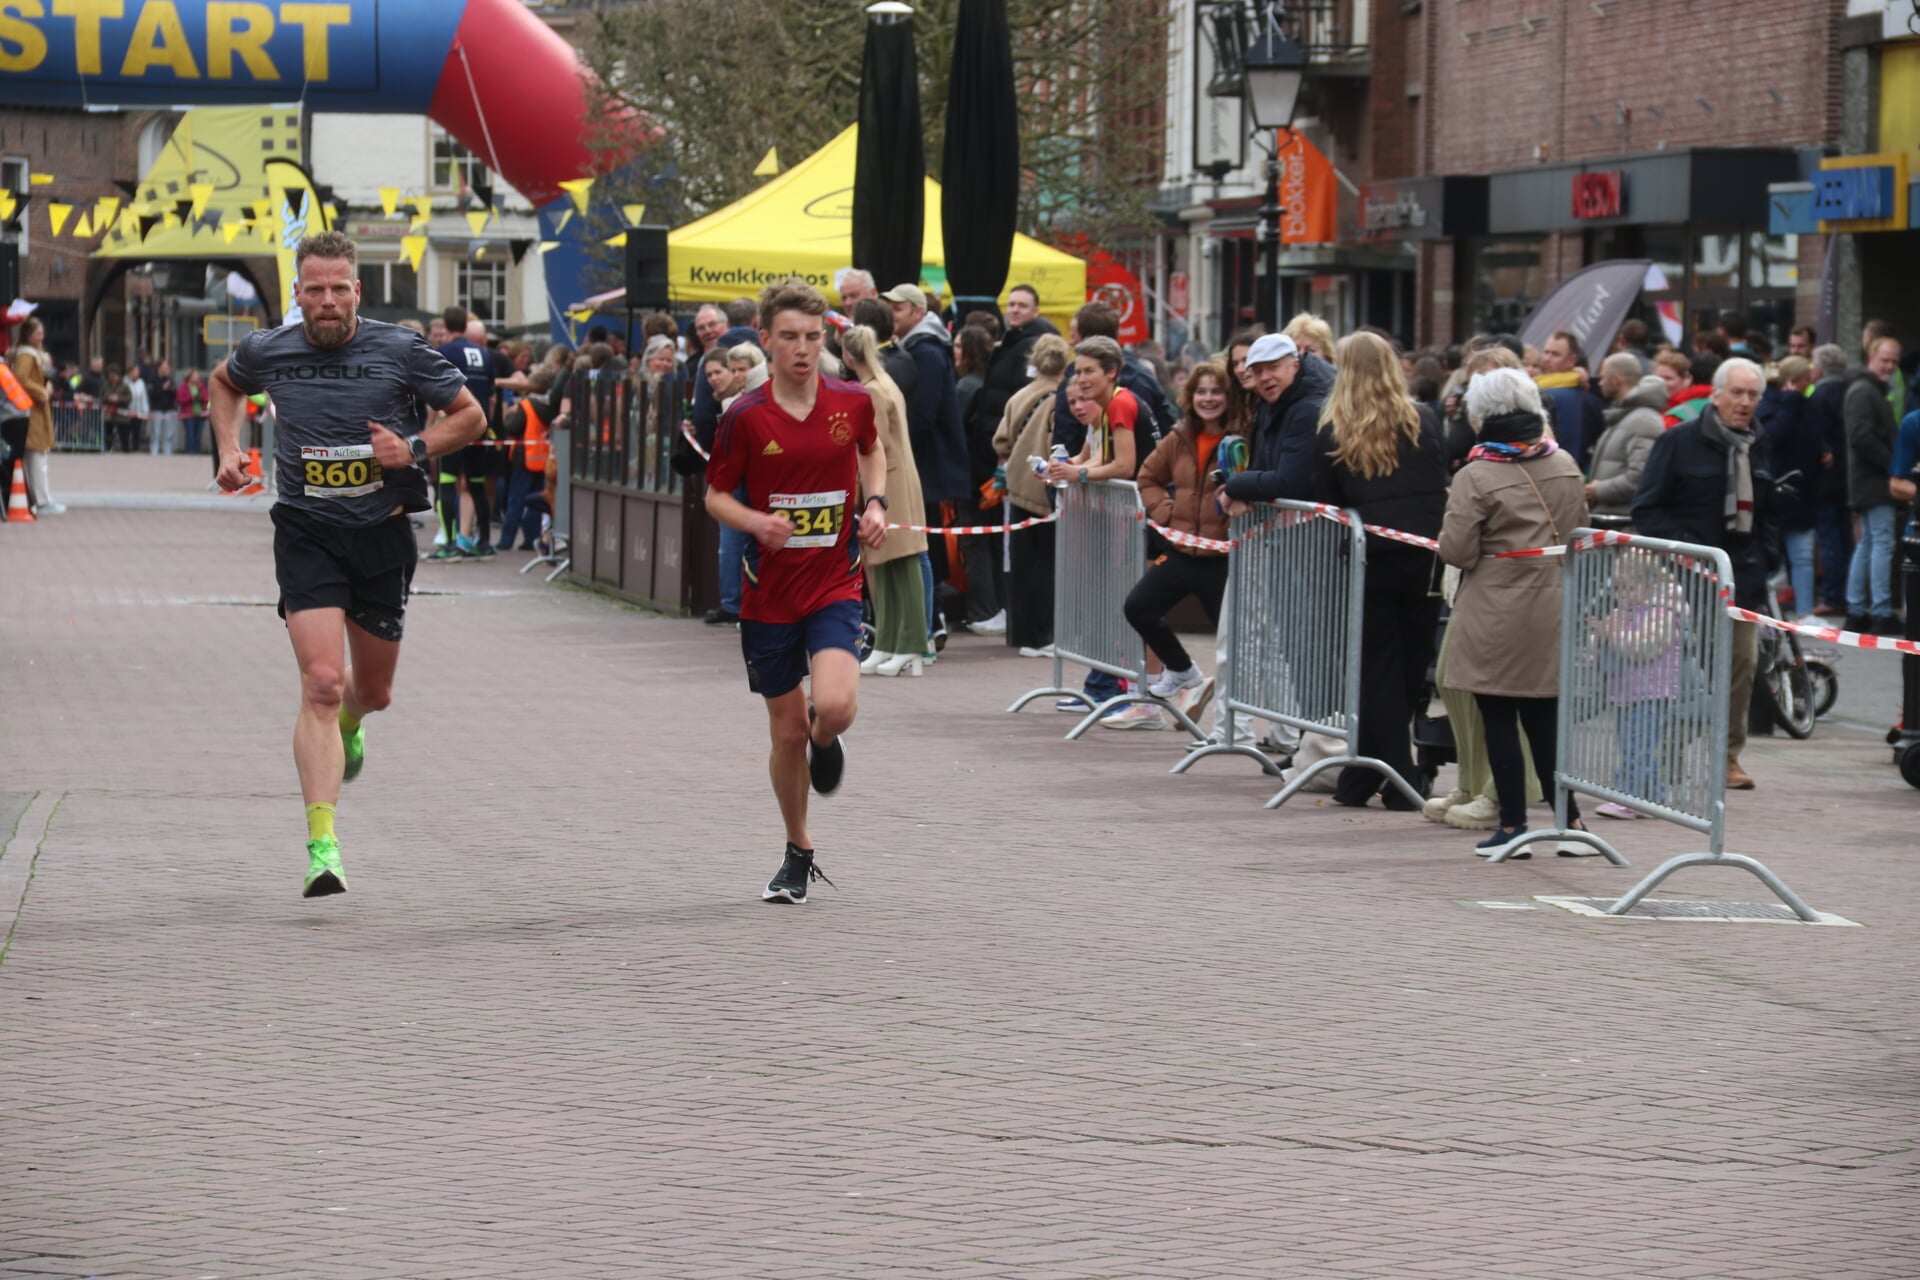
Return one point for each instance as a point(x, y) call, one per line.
point(1783, 672)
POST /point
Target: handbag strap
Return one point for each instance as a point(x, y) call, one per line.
point(1551, 522)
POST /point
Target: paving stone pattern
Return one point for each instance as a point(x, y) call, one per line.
point(1065, 1016)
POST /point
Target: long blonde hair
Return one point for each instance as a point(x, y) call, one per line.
point(1368, 407)
point(862, 346)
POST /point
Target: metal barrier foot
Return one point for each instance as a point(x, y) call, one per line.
point(1566, 835)
point(1225, 749)
point(1093, 716)
point(1053, 692)
point(1674, 864)
point(1305, 776)
point(560, 568)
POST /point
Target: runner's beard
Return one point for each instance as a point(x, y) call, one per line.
point(329, 333)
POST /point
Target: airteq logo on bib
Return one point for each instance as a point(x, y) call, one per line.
point(773, 447)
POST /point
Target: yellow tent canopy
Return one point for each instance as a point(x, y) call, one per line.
point(801, 223)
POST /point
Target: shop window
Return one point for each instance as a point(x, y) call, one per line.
point(389, 284)
point(1773, 262)
point(1506, 284)
point(482, 289)
point(454, 167)
point(1716, 263)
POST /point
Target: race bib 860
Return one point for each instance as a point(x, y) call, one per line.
point(339, 471)
point(817, 518)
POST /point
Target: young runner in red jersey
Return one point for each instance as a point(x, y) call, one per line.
point(801, 449)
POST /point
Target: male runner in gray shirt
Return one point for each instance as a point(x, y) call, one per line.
point(351, 397)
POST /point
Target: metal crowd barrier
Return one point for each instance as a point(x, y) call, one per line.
point(82, 430)
point(1100, 552)
point(1646, 652)
point(559, 533)
point(1295, 584)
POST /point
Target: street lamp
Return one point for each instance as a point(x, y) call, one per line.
point(1274, 68)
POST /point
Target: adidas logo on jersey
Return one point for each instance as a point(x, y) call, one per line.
point(773, 447)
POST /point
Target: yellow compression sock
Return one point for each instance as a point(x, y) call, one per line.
point(348, 721)
point(319, 820)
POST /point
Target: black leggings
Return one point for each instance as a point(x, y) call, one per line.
point(1396, 643)
point(1167, 582)
point(1504, 717)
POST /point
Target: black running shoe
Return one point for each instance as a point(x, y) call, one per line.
point(789, 883)
point(825, 764)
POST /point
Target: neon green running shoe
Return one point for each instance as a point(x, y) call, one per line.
point(325, 876)
point(356, 747)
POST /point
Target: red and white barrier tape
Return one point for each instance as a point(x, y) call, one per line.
point(686, 429)
point(972, 529)
point(1831, 635)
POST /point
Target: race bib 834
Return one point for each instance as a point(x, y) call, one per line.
point(817, 518)
point(339, 471)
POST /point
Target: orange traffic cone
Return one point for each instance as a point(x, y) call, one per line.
point(253, 469)
point(17, 510)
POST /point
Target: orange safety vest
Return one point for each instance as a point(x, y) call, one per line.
point(10, 387)
point(539, 448)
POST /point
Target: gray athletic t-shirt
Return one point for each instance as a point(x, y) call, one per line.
point(323, 400)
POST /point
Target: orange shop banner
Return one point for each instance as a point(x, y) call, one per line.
point(1309, 201)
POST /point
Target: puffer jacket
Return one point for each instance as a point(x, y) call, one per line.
point(1026, 426)
point(1175, 492)
point(1621, 454)
point(1871, 427)
point(1282, 462)
point(933, 414)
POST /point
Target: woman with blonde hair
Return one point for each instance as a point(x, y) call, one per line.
point(1026, 430)
point(1382, 454)
point(1310, 333)
point(900, 640)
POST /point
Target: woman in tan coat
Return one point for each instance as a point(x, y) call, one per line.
point(1026, 431)
point(1518, 490)
point(893, 570)
point(33, 368)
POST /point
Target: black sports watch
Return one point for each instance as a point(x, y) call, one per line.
point(880, 498)
point(418, 444)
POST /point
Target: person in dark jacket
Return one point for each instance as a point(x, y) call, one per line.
point(1292, 385)
point(1832, 518)
point(933, 406)
point(1709, 481)
point(1011, 366)
point(742, 319)
point(1382, 454)
point(872, 312)
point(1793, 435)
point(1871, 427)
point(1098, 320)
point(742, 327)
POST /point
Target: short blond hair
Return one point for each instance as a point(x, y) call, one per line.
point(1308, 329)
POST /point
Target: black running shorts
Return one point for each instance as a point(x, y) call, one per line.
point(366, 570)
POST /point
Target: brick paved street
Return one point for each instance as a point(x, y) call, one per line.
point(1065, 1016)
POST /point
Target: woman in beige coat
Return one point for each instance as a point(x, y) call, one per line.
point(33, 367)
point(1026, 430)
point(1518, 490)
point(893, 570)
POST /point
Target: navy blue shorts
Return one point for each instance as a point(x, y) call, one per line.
point(777, 653)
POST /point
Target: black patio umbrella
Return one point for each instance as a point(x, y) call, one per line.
point(980, 172)
point(890, 164)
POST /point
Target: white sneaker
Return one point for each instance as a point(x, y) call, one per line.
point(50, 509)
point(1481, 813)
point(1045, 651)
point(1138, 715)
point(1194, 699)
point(1435, 810)
point(1169, 683)
point(994, 626)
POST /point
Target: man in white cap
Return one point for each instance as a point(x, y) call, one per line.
point(1292, 385)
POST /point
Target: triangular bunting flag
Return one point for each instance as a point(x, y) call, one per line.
point(57, 215)
point(614, 242)
point(81, 226)
point(414, 247)
point(484, 190)
point(201, 193)
point(566, 216)
point(182, 210)
point(769, 164)
point(581, 316)
point(261, 208)
point(549, 244)
point(230, 230)
point(578, 189)
point(477, 219)
point(128, 189)
point(8, 204)
point(519, 248)
point(389, 200)
point(105, 210)
point(147, 224)
point(636, 213)
point(170, 220)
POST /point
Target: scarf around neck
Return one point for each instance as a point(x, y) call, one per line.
point(1497, 451)
point(1739, 502)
